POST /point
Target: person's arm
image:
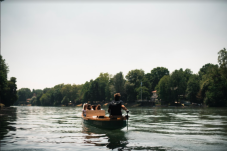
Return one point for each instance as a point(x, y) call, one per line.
point(124, 108)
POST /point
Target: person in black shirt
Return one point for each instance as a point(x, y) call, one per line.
point(116, 106)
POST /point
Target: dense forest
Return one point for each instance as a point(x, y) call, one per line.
point(207, 87)
point(8, 88)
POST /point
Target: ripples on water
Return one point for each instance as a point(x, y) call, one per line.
point(61, 128)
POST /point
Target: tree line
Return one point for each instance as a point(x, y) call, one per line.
point(101, 89)
point(208, 87)
point(8, 88)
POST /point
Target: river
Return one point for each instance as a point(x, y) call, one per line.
point(61, 128)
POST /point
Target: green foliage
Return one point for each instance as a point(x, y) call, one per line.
point(178, 82)
point(145, 93)
point(205, 69)
point(155, 76)
point(8, 89)
point(134, 78)
point(45, 99)
point(23, 95)
point(11, 92)
point(163, 89)
point(193, 89)
point(171, 87)
point(3, 78)
point(130, 91)
point(119, 85)
point(222, 58)
point(214, 88)
point(208, 87)
point(65, 101)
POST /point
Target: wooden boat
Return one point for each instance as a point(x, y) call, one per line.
point(98, 119)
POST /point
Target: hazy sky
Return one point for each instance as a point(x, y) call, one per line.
point(46, 43)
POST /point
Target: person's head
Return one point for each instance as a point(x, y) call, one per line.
point(98, 107)
point(89, 106)
point(117, 96)
point(85, 106)
point(93, 106)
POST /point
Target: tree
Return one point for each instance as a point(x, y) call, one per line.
point(102, 81)
point(205, 69)
point(23, 95)
point(94, 91)
point(65, 101)
point(3, 78)
point(178, 83)
point(66, 90)
point(212, 87)
point(130, 91)
point(57, 94)
point(11, 92)
point(193, 89)
point(163, 90)
point(45, 99)
point(222, 58)
point(134, 78)
point(156, 75)
point(84, 92)
point(187, 74)
point(119, 85)
point(145, 93)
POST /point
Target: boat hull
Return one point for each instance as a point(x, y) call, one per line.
point(106, 123)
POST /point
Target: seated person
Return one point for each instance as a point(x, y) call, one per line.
point(93, 107)
point(89, 107)
point(98, 107)
point(116, 106)
point(84, 109)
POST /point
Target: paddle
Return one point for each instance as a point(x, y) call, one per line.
point(127, 118)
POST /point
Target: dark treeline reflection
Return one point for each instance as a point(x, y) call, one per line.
point(7, 117)
point(110, 139)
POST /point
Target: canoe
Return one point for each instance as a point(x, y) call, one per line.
point(98, 119)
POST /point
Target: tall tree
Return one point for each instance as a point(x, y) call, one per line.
point(193, 89)
point(222, 58)
point(11, 92)
point(212, 87)
point(23, 95)
point(178, 82)
point(119, 85)
point(3, 78)
point(134, 78)
point(102, 82)
point(156, 75)
point(164, 90)
point(205, 69)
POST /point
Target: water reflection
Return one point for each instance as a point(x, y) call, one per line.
point(61, 128)
point(8, 116)
point(112, 139)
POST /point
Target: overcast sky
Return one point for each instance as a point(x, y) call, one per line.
point(46, 43)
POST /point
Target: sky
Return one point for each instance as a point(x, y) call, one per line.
point(50, 42)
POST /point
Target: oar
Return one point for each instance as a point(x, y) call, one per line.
point(127, 118)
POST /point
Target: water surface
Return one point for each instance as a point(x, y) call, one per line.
point(61, 128)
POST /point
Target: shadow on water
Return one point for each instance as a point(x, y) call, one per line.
point(112, 139)
point(8, 116)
